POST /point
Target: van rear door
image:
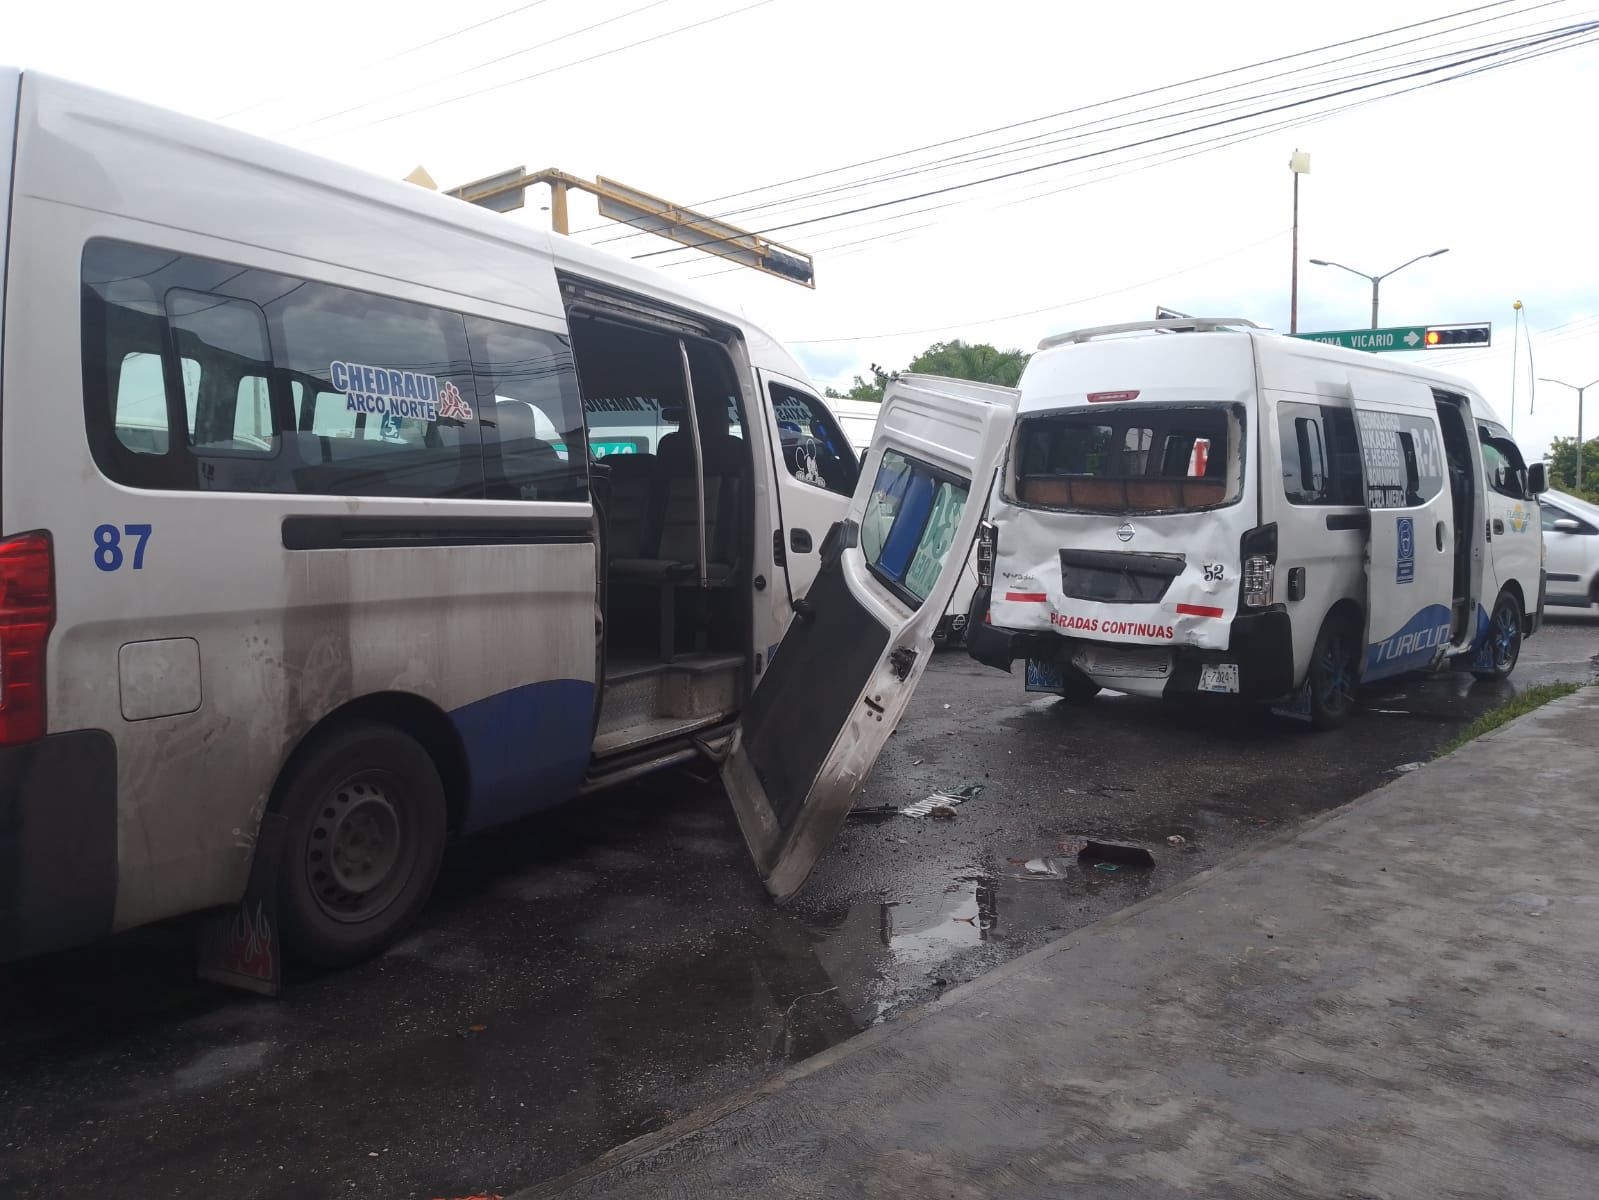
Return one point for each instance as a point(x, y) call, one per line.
point(861, 637)
point(1410, 553)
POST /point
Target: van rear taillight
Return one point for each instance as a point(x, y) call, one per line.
point(27, 614)
point(987, 547)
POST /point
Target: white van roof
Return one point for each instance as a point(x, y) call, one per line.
point(1069, 367)
point(314, 207)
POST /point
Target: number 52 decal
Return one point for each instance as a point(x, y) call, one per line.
point(108, 552)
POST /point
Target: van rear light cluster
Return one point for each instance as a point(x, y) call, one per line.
point(27, 615)
point(1258, 573)
point(987, 547)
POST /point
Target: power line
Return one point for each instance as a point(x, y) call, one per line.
point(1575, 35)
point(378, 62)
point(1101, 104)
point(559, 66)
point(611, 20)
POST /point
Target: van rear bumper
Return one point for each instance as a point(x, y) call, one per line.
point(1260, 643)
point(58, 842)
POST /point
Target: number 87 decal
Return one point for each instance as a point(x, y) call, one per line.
point(108, 552)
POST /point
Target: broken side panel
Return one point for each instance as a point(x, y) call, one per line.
point(860, 640)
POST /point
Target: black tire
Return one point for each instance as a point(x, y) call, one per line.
point(1077, 688)
point(366, 830)
point(1334, 673)
point(1505, 628)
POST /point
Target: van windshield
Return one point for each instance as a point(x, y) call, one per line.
point(1131, 458)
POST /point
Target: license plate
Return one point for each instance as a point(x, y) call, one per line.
point(1044, 676)
point(1218, 677)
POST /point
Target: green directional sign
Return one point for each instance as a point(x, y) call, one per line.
point(1400, 337)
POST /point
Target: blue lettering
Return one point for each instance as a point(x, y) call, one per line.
point(369, 379)
point(410, 386)
point(340, 376)
point(396, 384)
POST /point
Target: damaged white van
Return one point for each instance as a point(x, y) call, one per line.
point(1218, 509)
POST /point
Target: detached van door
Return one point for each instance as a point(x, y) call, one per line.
point(1410, 558)
point(846, 667)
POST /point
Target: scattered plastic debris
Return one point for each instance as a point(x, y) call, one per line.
point(1105, 866)
point(1411, 766)
point(873, 814)
point(476, 1028)
point(1177, 839)
point(1048, 866)
point(949, 798)
point(941, 812)
point(1115, 854)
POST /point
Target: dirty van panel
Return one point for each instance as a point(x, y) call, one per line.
point(846, 668)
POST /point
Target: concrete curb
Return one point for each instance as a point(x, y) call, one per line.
point(1586, 697)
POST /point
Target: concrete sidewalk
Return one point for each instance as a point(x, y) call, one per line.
point(1398, 1000)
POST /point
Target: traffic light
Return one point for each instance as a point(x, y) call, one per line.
point(1446, 337)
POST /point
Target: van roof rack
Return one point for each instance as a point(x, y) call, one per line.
point(1169, 325)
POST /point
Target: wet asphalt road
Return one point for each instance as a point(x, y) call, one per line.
point(598, 971)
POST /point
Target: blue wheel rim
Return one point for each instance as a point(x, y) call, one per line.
point(1337, 685)
point(1506, 637)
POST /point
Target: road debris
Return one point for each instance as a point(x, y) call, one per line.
point(942, 812)
point(1410, 766)
point(948, 798)
point(873, 814)
point(1177, 839)
point(1115, 854)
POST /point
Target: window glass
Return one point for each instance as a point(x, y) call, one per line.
point(392, 409)
point(1503, 465)
point(628, 424)
point(141, 404)
point(1152, 458)
point(533, 444)
point(909, 525)
point(815, 449)
point(227, 339)
point(1548, 515)
point(1320, 458)
point(1403, 457)
point(252, 412)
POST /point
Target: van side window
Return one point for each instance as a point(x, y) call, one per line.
point(227, 339)
point(1320, 457)
point(1506, 472)
point(532, 419)
point(909, 525)
point(1403, 457)
point(815, 449)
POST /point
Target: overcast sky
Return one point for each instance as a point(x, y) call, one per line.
point(722, 96)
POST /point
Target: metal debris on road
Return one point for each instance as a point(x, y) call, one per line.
point(1176, 839)
point(1410, 766)
point(945, 799)
point(1116, 854)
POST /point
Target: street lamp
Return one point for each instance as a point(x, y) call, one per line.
point(1377, 279)
point(1299, 164)
point(1579, 391)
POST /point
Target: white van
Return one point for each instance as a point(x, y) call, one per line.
point(859, 419)
point(338, 517)
point(1230, 511)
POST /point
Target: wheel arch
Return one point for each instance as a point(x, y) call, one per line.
point(412, 715)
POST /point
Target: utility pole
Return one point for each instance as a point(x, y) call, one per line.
point(1376, 280)
point(1299, 164)
point(1579, 391)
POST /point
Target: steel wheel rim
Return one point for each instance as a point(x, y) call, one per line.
point(1506, 637)
point(1337, 682)
point(361, 847)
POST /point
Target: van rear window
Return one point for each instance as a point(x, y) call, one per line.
point(1131, 458)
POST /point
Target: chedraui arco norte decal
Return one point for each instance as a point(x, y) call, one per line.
point(409, 395)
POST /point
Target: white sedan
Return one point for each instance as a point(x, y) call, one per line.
point(1571, 550)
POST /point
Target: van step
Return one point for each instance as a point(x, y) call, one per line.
point(642, 733)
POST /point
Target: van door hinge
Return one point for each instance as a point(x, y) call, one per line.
point(779, 551)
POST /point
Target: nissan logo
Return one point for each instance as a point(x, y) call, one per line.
point(1125, 533)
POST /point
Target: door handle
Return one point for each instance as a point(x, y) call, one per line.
point(1442, 532)
point(1499, 526)
point(800, 540)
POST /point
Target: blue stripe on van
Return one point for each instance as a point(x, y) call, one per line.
point(1411, 647)
point(526, 749)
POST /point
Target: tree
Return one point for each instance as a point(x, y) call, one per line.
point(1562, 460)
point(976, 361)
point(862, 390)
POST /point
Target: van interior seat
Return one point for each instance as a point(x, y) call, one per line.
point(629, 514)
point(670, 550)
point(525, 459)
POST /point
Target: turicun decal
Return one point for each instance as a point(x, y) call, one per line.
point(405, 395)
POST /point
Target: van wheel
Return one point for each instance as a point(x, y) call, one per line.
point(366, 825)
point(1334, 674)
point(1504, 638)
point(1077, 688)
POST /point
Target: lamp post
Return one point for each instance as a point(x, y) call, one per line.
point(1376, 280)
point(1579, 391)
point(1299, 164)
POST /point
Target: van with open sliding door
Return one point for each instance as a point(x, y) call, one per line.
point(1207, 508)
point(339, 518)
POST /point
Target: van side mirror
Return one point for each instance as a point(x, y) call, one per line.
point(1537, 479)
point(1566, 525)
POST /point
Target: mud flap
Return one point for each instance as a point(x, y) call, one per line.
point(239, 945)
point(1296, 705)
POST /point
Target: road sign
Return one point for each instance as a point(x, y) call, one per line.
point(1404, 337)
